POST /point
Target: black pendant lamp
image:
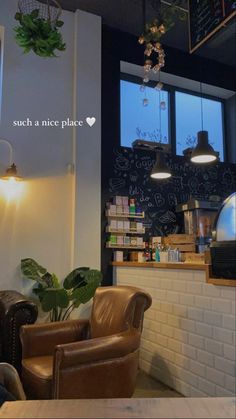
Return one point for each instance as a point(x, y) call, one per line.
point(160, 169)
point(203, 152)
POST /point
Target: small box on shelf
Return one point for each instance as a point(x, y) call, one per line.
point(120, 225)
point(118, 256)
point(112, 224)
point(120, 240)
point(139, 241)
point(119, 209)
point(127, 241)
point(111, 208)
point(133, 241)
point(118, 200)
point(126, 225)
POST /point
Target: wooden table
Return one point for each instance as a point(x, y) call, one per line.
point(221, 407)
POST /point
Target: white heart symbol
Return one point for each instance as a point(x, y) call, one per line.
point(91, 121)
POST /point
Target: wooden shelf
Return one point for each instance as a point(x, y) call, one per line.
point(222, 281)
point(124, 246)
point(109, 230)
point(167, 265)
point(110, 215)
point(219, 281)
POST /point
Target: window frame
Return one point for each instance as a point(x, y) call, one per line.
point(172, 108)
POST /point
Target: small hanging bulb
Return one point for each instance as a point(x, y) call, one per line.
point(154, 29)
point(141, 40)
point(159, 86)
point(162, 29)
point(157, 46)
point(145, 102)
point(156, 68)
point(163, 105)
point(145, 79)
point(147, 66)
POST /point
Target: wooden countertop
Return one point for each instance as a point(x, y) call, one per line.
point(209, 407)
point(167, 265)
point(181, 265)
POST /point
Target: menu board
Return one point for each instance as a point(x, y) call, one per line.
point(229, 6)
point(206, 17)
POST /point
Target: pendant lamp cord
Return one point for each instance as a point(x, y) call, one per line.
point(160, 115)
point(201, 104)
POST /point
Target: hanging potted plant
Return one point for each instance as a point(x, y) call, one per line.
point(38, 29)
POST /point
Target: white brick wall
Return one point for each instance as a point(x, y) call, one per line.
point(188, 340)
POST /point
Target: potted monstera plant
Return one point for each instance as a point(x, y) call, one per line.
point(60, 300)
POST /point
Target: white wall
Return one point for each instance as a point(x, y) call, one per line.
point(41, 222)
point(88, 140)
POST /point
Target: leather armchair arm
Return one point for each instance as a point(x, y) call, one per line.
point(15, 310)
point(41, 339)
point(97, 349)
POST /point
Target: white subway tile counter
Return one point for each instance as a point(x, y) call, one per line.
point(188, 339)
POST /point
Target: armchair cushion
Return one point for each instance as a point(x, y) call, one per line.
point(37, 375)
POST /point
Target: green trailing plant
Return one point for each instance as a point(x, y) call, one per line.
point(165, 19)
point(38, 35)
point(60, 300)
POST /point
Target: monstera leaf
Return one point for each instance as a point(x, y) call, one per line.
point(54, 298)
point(32, 270)
point(82, 295)
point(75, 279)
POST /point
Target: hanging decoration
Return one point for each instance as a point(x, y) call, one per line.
point(152, 34)
point(38, 29)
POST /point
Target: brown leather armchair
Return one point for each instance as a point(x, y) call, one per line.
point(15, 310)
point(96, 358)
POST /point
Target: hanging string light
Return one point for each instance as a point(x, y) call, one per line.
point(151, 40)
point(154, 53)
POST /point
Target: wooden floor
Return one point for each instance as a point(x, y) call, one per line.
point(148, 387)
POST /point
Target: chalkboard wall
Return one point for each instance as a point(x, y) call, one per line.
point(128, 173)
point(206, 16)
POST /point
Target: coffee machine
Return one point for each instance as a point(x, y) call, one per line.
point(199, 218)
point(223, 246)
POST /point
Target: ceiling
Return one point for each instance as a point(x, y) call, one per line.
point(126, 15)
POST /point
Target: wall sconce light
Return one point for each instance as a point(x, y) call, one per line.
point(160, 169)
point(11, 174)
point(10, 186)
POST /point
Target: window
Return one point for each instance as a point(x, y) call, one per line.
point(176, 124)
point(189, 122)
point(151, 122)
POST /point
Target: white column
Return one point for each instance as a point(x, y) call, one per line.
point(87, 141)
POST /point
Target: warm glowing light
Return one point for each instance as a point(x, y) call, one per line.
point(160, 175)
point(11, 188)
point(208, 158)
